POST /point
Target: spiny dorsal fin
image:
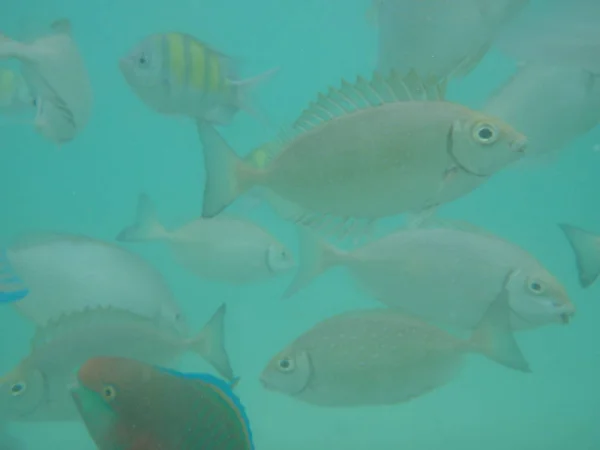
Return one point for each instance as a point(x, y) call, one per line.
point(74, 319)
point(365, 94)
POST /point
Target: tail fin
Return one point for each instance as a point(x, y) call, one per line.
point(226, 174)
point(246, 89)
point(493, 336)
point(210, 344)
point(587, 252)
point(146, 226)
point(315, 256)
point(12, 288)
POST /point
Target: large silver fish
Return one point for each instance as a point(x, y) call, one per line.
point(448, 274)
point(367, 151)
point(382, 357)
point(441, 38)
point(551, 105)
point(36, 389)
point(45, 275)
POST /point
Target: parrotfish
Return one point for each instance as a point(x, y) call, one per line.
point(129, 405)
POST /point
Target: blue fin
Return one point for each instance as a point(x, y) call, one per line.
point(223, 386)
point(12, 288)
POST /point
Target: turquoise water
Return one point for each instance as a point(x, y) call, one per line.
point(90, 186)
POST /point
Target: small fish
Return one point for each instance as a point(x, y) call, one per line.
point(58, 79)
point(228, 249)
point(446, 273)
point(382, 357)
point(176, 74)
point(35, 389)
point(586, 246)
point(551, 105)
point(126, 404)
point(440, 38)
point(366, 151)
point(46, 275)
point(14, 93)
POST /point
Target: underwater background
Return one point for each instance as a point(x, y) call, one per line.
point(90, 186)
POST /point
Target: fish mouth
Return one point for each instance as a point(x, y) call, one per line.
point(519, 146)
point(566, 318)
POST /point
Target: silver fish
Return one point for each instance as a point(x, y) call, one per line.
point(382, 357)
point(228, 249)
point(366, 151)
point(57, 78)
point(444, 273)
point(46, 275)
point(36, 389)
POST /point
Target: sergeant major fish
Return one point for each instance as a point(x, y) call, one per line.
point(58, 80)
point(382, 357)
point(227, 249)
point(35, 390)
point(175, 73)
point(126, 404)
point(367, 151)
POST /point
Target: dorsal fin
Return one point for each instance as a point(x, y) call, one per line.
point(80, 318)
point(365, 94)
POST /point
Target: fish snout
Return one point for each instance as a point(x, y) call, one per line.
point(519, 145)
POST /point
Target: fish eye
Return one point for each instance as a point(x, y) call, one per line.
point(143, 59)
point(109, 393)
point(535, 287)
point(485, 133)
point(18, 388)
point(286, 364)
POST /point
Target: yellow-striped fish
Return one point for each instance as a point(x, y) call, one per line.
point(175, 73)
point(14, 93)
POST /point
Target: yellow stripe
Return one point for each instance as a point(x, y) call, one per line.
point(198, 61)
point(214, 72)
point(176, 46)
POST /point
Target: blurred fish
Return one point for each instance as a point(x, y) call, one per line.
point(441, 38)
point(228, 249)
point(367, 151)
point(586, 246)
point(448, 274)
point(35, 390)
point(46, 275)
point(382, 357)
point(14, 93)
point(58, 79)
point(175, 73)
point(551, 105)
point(129, 405)
point(534, 37)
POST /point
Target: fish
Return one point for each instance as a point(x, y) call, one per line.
point(55, 72)
point(586, 246)
point(384, 357)
point(177, 74)
point(35, 390)
point(126, 404)
point(552, 105)
point(443, 272)
point(46, 275)
point(228, 249)
point(366, 151)
point(532, 38)
point(14, 93)
point(439, 38)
